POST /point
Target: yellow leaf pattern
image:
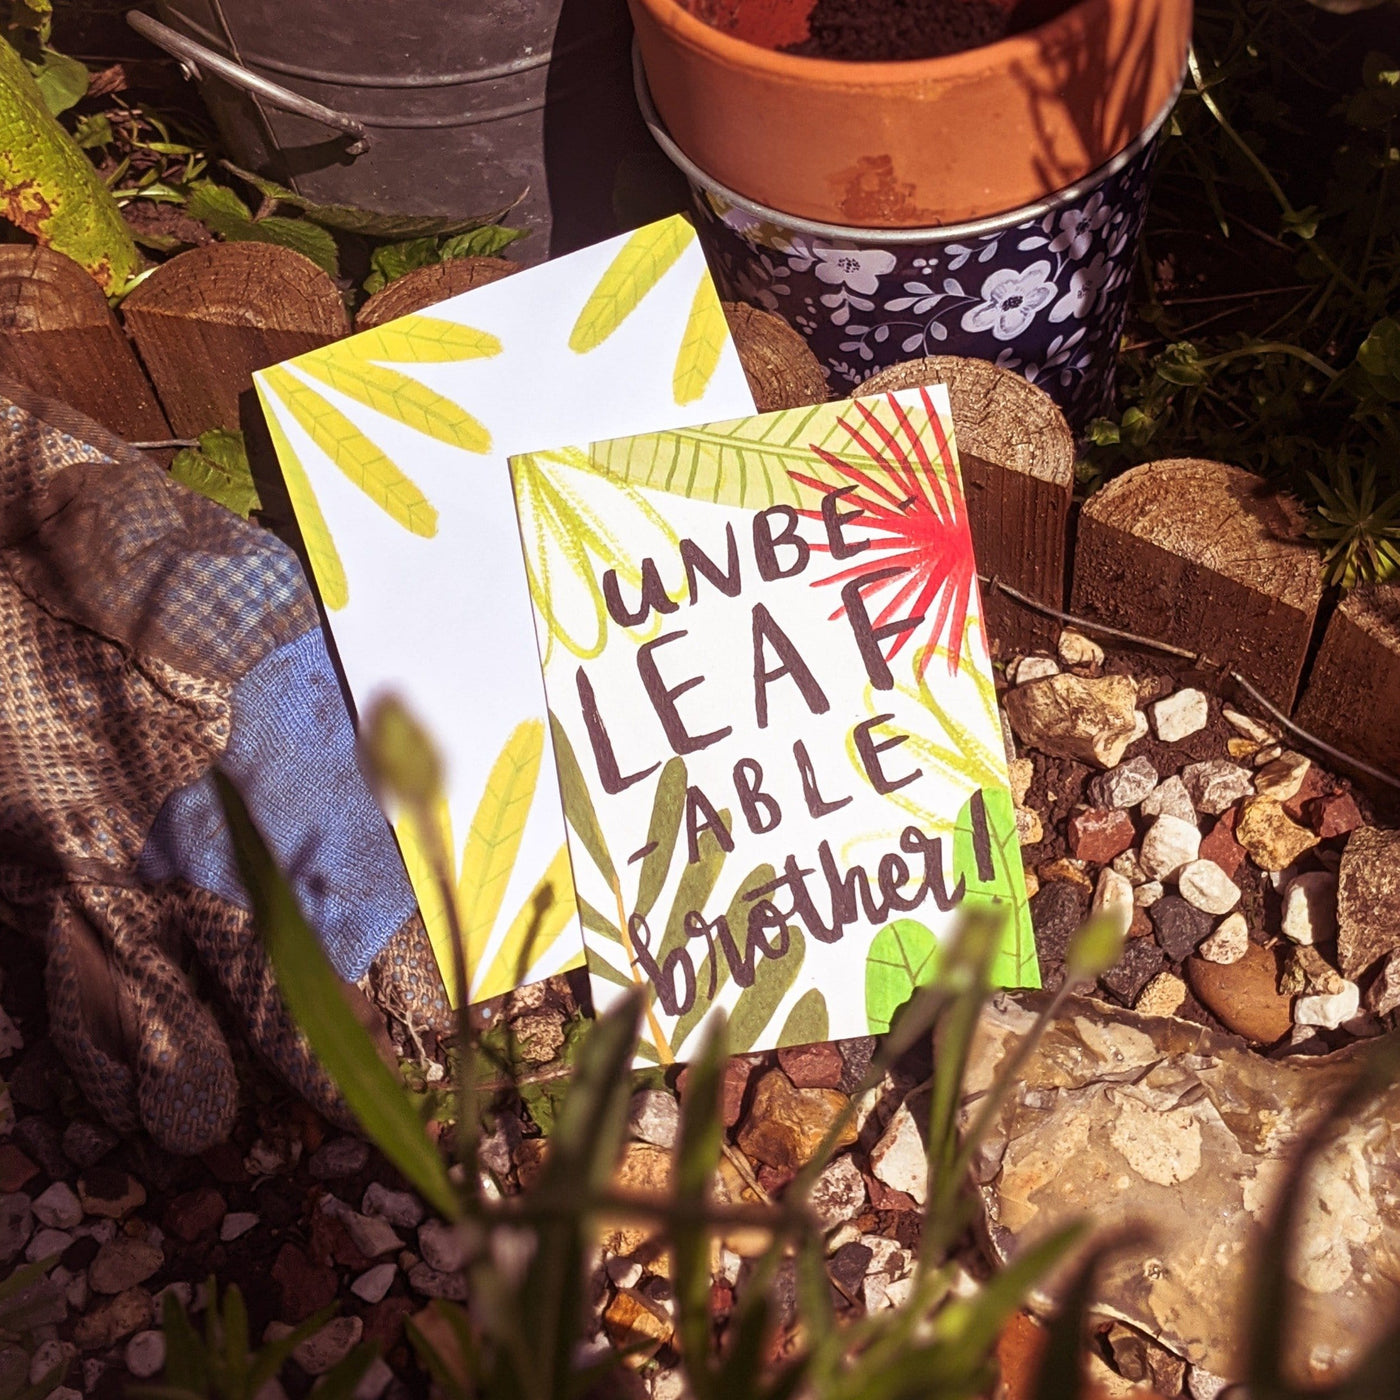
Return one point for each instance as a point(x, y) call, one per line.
point(315, 533)
point(638, 267)
point(496, 831)
point(705, 334)
point(420, 340)
point(395, 395)
point(365, 464)
point(535, 929)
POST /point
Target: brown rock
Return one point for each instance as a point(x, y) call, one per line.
point(634, 1322)
point(1315, 784)
point(1067, 716)
point(1070, 871)
point(785, 1125)
point(1334, 815)
point(306, 1287)
point(1244, 995)
point(225, 1163)
point(812, 1066)
point(529, 1160)
point(196, 1213)
point(1272, 840)
point(645, 1170)
point(15, 1169)
point(384, 1321)
point(1020, 1351)
point(114, 1318)
point(122, 1263)
point(1368, 899)
point(1097, 835)
point(1219, 843)
point(736, 1082)
point(110, 1193)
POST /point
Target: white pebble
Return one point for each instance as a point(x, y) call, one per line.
point(237, 1223)
point(1127, 866)
point(1170, 799)
point(400, 1208)
point(145, 1354)
point(624, 1272)
point(1216, 785)
point(1148, 893)
point(1078, 650)
point(1229, 943)
point(375, 1282)
point(1204, 884)
point(1310, 908)
point(1036, 668)
point(58, 1207)
point(1169, 844)
point(1282, 777)
point(1250, 728)
point(1139, 728)
point(1113, 896)
point(1177, 716)
point(1329, 1011)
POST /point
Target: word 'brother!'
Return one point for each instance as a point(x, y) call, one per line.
point(779, 553)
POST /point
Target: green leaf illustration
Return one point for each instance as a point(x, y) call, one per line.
point(987, 858)
point(578, 804)
point(639, 265)
point(807, 1022)
point(771, 979)
point(705, 333)
point(395, 395)
point(666, 813)
point(903, 957)
point(742, 463)
point(366, 465)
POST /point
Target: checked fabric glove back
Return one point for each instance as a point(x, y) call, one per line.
point(146, 636)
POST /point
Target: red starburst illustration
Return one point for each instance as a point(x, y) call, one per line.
point(916, 523)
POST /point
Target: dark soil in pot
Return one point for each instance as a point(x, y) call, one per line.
point(865, 31)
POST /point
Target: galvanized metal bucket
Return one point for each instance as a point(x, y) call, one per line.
point(416, 107)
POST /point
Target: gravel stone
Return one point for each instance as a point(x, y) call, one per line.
point(401, 1208)
point(236, 1224)
point(1113, 896)
point(1035, 668)
point(1075, 649)
point(123, 1263)
point(47, 1242)
point(58, 1207)
point(838, 1194)
point(1162, 996)
point(1125, 786)
point(1148, 893)
point(1229, 942)
point(375, 1282)
point(1217, 784)
point(1328, 1011)
point(340, 1157)
point(86, 1144)
point(1180, 715)
point(145, 1354)
point(900, 1159)
point(1204, 884)
point(1180, 927)
point(1172, 799)
point(654, 1116)
point(441, 1246)
point(1169, 844)
point(1310, 908)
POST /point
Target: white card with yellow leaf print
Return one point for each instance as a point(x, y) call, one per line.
point(394, 446)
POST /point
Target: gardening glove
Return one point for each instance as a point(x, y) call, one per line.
point(146, 636)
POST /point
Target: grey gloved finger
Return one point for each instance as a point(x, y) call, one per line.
point(142, 1047)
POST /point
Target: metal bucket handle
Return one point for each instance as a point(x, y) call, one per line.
point(194, 56)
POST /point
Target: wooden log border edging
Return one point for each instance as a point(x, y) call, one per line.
point(1199, 558)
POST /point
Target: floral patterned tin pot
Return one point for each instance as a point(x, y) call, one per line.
point(1042, 290)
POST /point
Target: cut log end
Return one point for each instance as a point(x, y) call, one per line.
point(781, 369)
point(261, 285)
point(1204, 556)
point(426, 286)
point(41, 290)
point(998, 416)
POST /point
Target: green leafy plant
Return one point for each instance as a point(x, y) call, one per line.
point(391, 260)
point(222, 1365)
point(26, 1301)
point(218, 468)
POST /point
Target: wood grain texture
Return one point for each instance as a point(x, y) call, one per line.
point(781, 369)
point(58, 338)
point(426, 286)
point(207, 319)
point(1205, 556)
point(1017, 457)
point(1352, 697)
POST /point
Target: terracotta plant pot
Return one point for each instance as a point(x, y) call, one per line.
point(909, 144)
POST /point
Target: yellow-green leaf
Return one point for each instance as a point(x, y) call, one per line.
point(415, 844)
point(638, 267)
point(534, 930)
point(315, 533)
point(51, 189)
point(365, 464)
point(422, 340)
point(702, 344)
point(395, 395)
point(496, 831)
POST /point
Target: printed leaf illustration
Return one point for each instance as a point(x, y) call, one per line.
point(771, 979)
point(903, 956)
point(368, 467)
point(913, 505)
point(496, 832)
point(51, 189)
point(315, 533)
point(639, 265)
point(749, 462)
point(535, 929)
point(807, 1022)
point(703, 343)
point(422, 340)
point(394, 394)
point(567, 539)
point(578, 804)
point(987, 857)
point(661, 836)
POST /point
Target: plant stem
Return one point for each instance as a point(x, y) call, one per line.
point(1273, 347)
